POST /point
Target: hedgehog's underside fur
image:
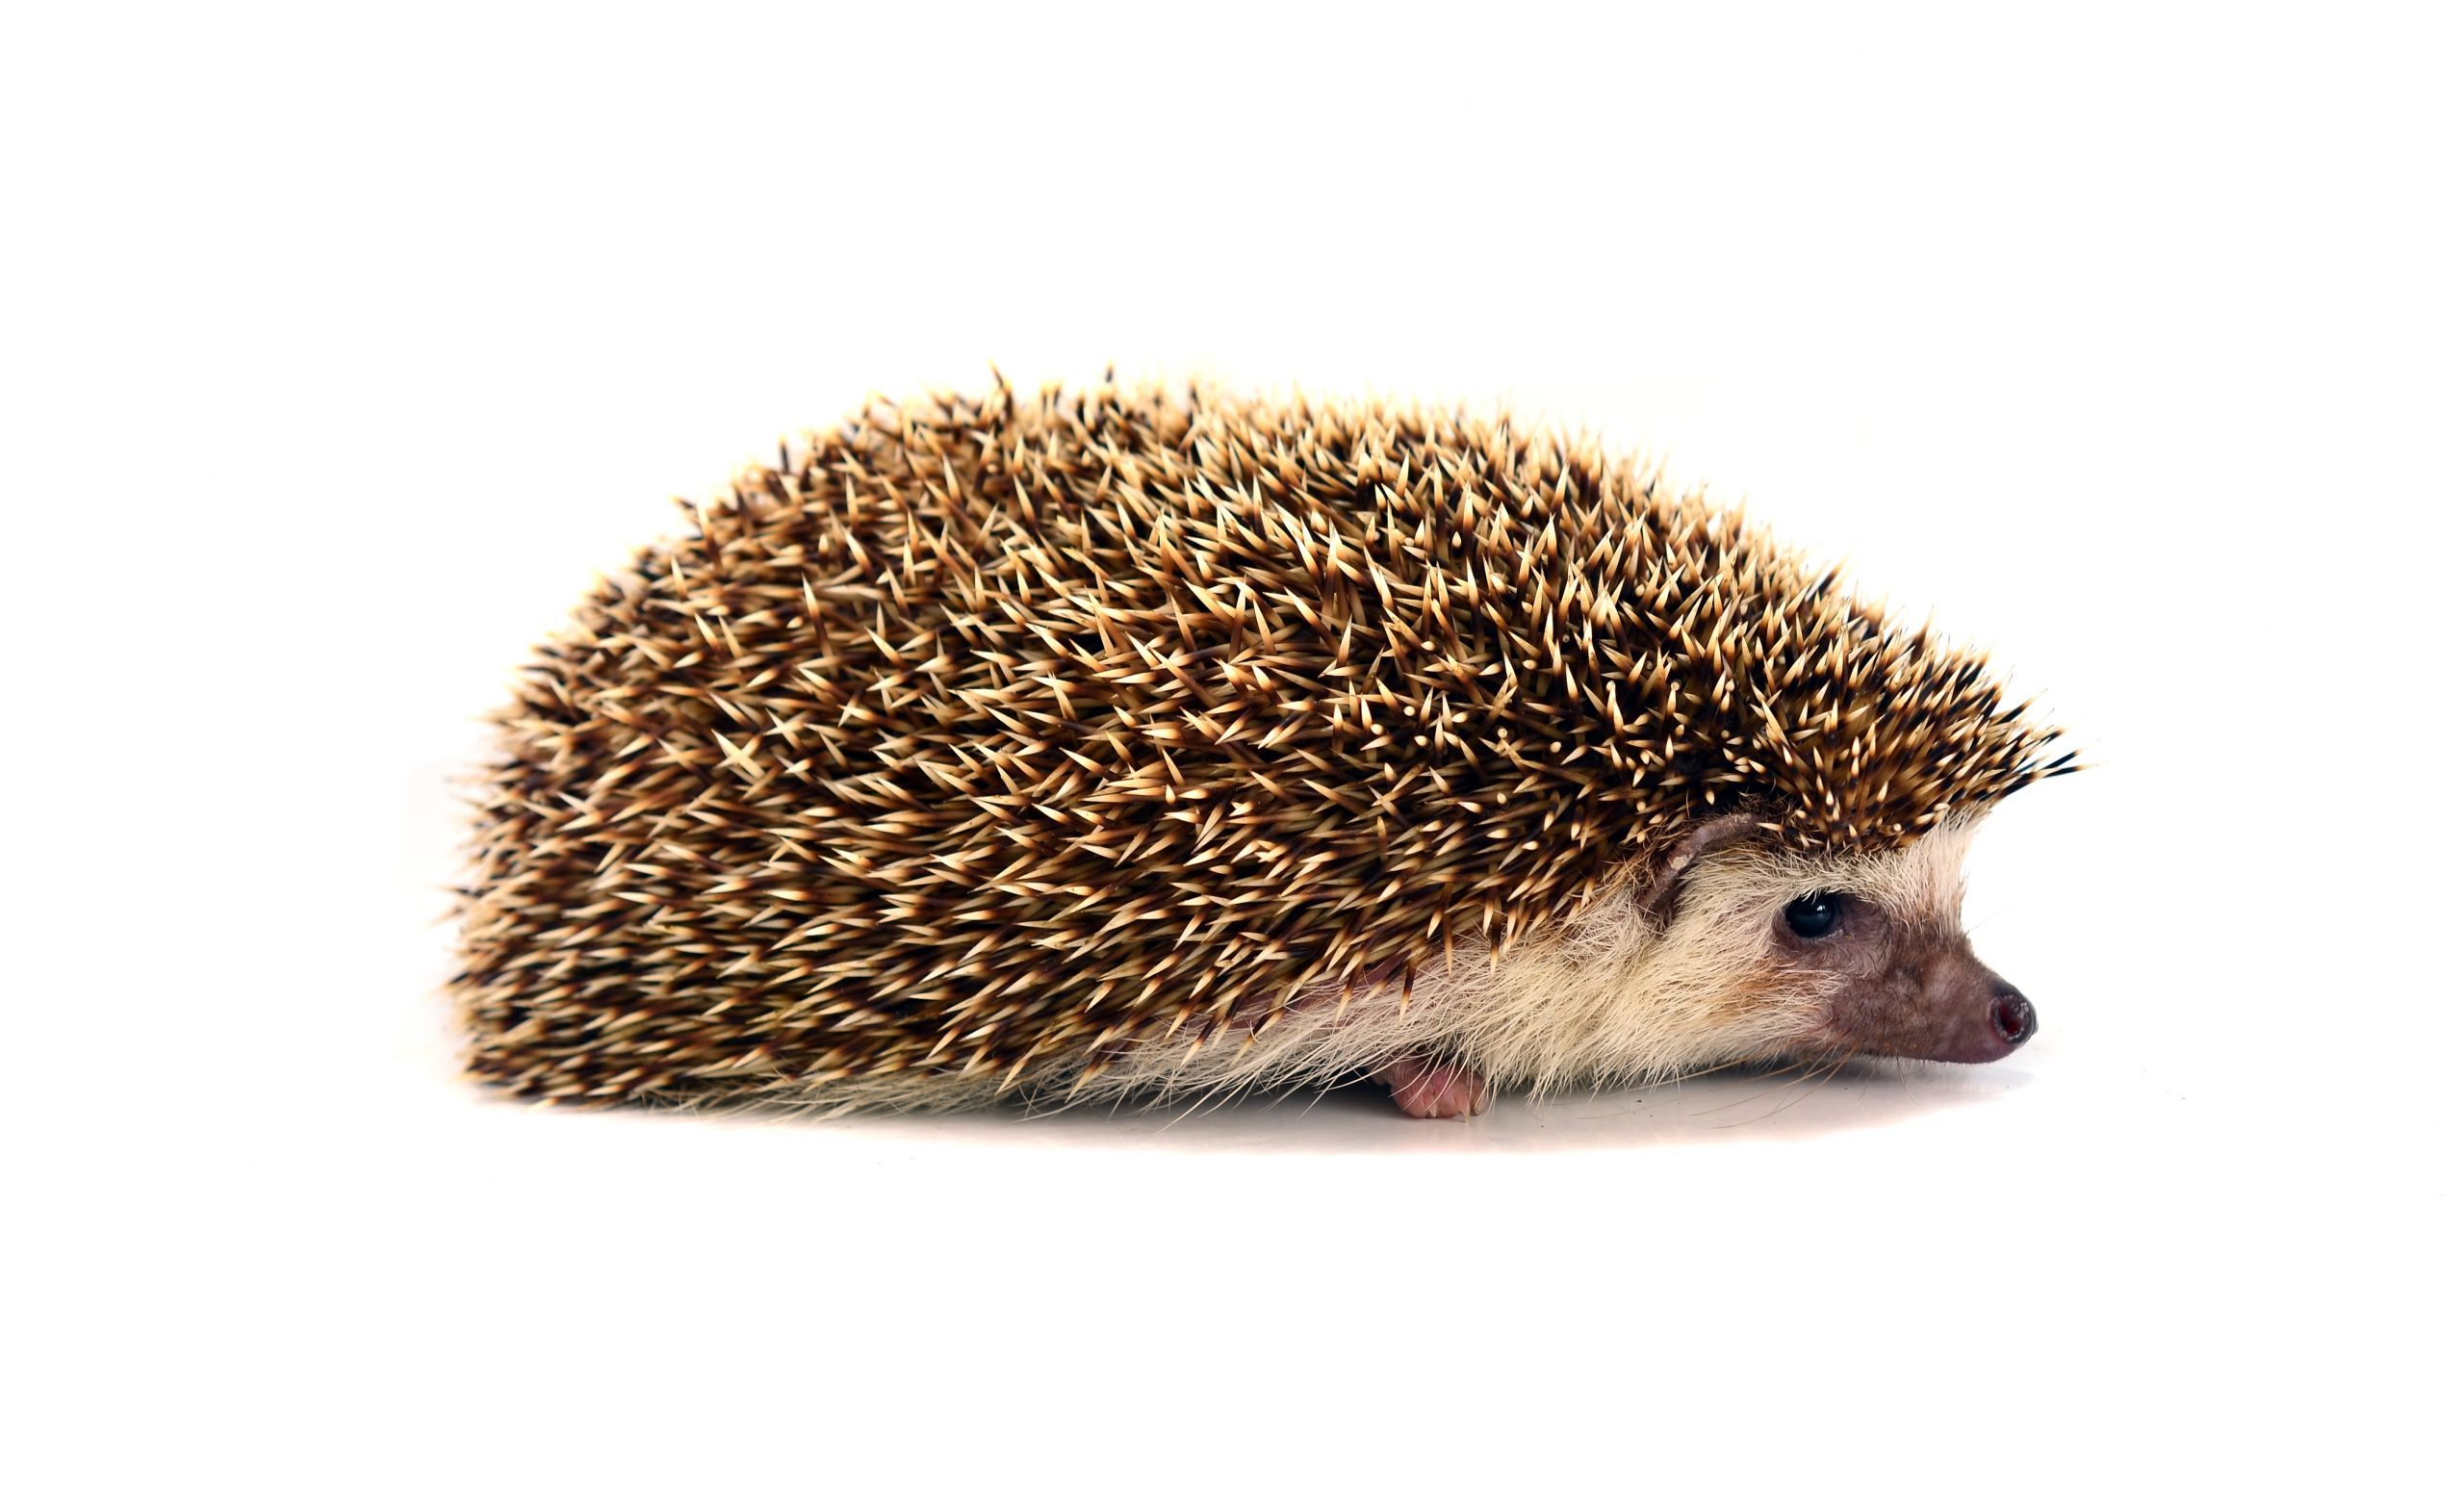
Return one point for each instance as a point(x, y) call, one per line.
point(983, 740)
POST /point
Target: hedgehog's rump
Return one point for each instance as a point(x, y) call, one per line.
point(986, 734)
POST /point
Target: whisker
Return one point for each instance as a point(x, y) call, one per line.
point(1793, 1066)
point(1839, 1062)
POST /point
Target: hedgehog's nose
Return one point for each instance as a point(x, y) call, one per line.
point(2015, 1018)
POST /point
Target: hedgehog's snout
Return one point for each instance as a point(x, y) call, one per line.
point(1982, 1017)
point(1933, 1001)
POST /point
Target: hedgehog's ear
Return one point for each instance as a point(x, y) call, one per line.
point(1668, 866)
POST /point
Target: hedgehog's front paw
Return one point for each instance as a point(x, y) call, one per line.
point(1424, 1087)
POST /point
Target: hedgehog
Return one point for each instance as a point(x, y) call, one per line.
point(1143, 743)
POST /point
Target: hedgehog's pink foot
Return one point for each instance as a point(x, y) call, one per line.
point(1424, 1087)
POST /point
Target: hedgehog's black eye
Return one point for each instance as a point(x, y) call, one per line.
point(1814, 916)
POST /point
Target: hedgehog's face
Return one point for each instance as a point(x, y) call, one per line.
point(1853, 953)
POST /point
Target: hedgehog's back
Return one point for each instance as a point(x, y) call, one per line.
point(952, 745)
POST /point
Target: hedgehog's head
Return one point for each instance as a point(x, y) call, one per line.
point(1835, 953)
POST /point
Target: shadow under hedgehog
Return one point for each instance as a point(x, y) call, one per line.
point(1154, 743)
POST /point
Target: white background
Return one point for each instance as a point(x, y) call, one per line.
point(342, 348)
